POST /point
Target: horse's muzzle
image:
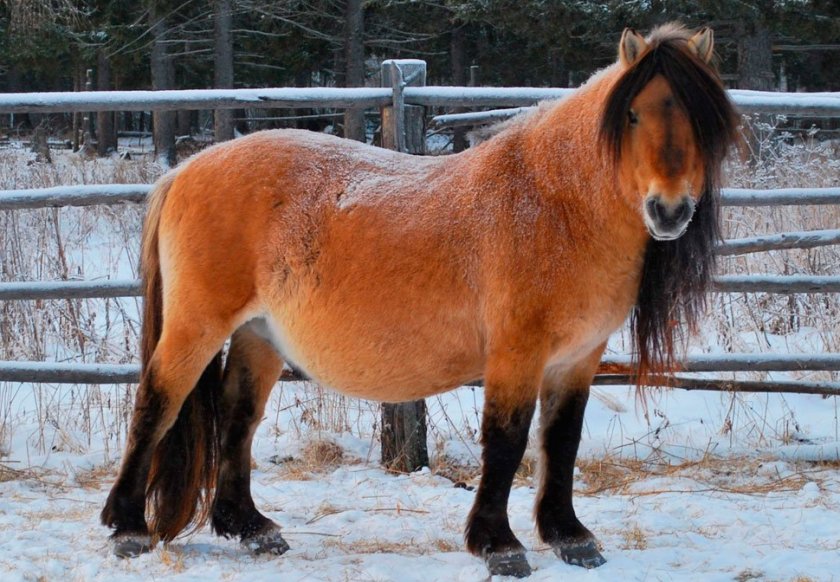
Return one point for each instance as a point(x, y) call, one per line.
point(667, 220)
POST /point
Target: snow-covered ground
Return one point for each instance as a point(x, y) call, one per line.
point(707, 487)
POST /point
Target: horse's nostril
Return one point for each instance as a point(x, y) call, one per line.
point(653, 205)
point(683, 211)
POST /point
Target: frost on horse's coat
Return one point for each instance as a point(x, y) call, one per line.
point(394, 277)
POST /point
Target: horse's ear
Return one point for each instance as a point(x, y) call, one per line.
point(631, 47)
point(703, 44)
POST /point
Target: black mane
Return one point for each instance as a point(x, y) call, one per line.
point(677, 274)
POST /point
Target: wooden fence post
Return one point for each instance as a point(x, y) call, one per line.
point(403, 126)
point(404, 129)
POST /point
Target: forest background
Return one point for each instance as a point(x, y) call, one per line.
point(50, 45)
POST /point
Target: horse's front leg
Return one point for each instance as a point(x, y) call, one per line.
point(563, 398)
point(511, 386)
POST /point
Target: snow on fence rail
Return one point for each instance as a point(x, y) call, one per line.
point(29, 290)
point(291, 97)
point(806, 104)
point(799, 104)
point(58, 196)
point(114, 193)
point(613, 371)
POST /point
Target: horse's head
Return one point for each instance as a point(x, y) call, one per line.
point(667, 123)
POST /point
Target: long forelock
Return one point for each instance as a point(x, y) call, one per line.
point(696, 88)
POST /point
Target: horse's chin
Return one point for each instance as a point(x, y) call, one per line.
point(665, 235)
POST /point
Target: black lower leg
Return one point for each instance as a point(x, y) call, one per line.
point(234, 512)
point(562, 423)
point(125, 508)
point(504, 436)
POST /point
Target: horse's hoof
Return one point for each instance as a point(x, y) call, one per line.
point(584, 554)
point(512, 563)
point(130, 545)
point(267, 542)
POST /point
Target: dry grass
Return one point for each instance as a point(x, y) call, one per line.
point(173, 559)
point(326, 509)
point(527, 470)
point(459, 472)
point(749, 574)
point(740, 476)
point(378, 546)
point(609, 474)
point(634, 539)
point(94, 478)
point(10, 474)
point(316, 456)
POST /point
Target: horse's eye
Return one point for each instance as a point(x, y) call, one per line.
point(632, 118)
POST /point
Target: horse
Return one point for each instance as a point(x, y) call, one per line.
point(394, 277)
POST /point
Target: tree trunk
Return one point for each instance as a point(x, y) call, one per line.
point(755, 58)
point(354, 71)
point(223, 72)
point(163, 77)
point(105, 126)
point(183, 123)
point(78, 85)
point(457, 54)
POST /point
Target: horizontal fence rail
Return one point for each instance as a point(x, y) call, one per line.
point(58, 373)
point(613, 370)
point(780, 197)
point(796, 104)
point(476, 117)
point(765, 362)
point(777, 284)
point(806, 239)
point(39, 290)
point(804, 104)
point(718, 385)
point(58, 196)
point(87, 195)
point(70, 289)
point(290, 98)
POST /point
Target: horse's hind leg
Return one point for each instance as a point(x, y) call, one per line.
point(562, 403)
point(252, 369)
point(180, 358)
point(511, 386)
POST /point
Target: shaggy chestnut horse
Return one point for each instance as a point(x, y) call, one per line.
point(393, 278)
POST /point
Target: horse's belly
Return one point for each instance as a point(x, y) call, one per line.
point(363, 357)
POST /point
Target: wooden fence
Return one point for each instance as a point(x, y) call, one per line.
point(402, 100)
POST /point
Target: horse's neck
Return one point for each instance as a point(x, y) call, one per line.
point(570, 166)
